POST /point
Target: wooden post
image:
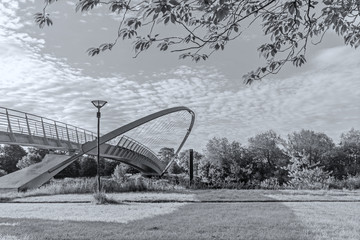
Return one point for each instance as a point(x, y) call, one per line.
point(191, 166)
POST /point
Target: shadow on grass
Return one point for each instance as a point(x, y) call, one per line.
point(265, 221)
point(234, 195)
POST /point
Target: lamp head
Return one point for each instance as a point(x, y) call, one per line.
point(98, 103)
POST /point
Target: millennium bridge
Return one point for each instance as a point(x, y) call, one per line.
point(134, 144)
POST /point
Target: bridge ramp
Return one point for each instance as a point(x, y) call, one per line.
point(36, 175)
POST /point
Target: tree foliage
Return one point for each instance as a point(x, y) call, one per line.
point(119, 172)
point(309, 143)
point(226, 161)
point(9, 156)
point(184, 160)
point(107, 166)
point(88, 166)
point(167, 155)
point(27, 160)
point(2, 172)
point(218, 153)
point(307, 160)
point(350, 143)
point(268, 154)
point(207, 26)
point(303, 176)
point(71, 171)
point(33, 156)
point(267, 148)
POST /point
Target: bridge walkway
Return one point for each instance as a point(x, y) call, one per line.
point(26, 129)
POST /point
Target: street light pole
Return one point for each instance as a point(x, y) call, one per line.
point(98, 115)
point(98, 104)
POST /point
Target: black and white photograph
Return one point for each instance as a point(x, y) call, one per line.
point(179, 119)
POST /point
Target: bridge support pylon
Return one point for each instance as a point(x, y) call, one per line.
point(36, 175)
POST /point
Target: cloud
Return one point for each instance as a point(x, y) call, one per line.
point(325, 98)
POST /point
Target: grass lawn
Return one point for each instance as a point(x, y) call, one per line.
point(230, 220)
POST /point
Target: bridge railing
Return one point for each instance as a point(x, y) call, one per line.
point(133, 145)
point(13, 121)
point(17, 122)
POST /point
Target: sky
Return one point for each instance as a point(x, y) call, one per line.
point(47, 72)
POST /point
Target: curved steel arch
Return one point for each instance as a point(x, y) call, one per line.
point(136, 154)
point(86, 147)
point(89, 146)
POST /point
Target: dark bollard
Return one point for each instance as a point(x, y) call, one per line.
point(191, 166)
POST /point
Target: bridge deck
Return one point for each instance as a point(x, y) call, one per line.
point(22, 128)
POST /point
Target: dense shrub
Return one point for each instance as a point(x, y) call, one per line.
point(119, 172)
point(88, 167)
point(71, 171)
point(9, 156)
point(309, 179)
point(351, 183)
point(304, 177)
point(271, 183)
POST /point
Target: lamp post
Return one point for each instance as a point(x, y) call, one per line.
point(98, 104)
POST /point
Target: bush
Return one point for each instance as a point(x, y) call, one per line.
point(309, 179)
point(351, 183)
point(102, 198)
point(88, 167)
point(271, 183)
point(304, 177)
point(119, 172)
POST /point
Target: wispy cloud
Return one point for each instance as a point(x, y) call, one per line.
point(323, 99)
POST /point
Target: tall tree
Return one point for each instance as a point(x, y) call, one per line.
point(350, 142)
point(9, 156)
point(242, 166)
point(203, 27)
point(218, 153)
point(267, 147)
point(350, 145)
point(309, 143)
point(269, 157)
point(166, 155)
point(336, 162)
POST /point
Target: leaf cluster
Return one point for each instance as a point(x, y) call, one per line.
point(207, 26)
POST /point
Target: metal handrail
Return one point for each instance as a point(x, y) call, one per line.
point(33, 125)
point(148, 152)
point(13, 121)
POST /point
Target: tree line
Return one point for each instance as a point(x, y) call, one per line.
point(304, 157)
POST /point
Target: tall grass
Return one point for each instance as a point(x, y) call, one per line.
point(65, 186)
point(88, 185)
